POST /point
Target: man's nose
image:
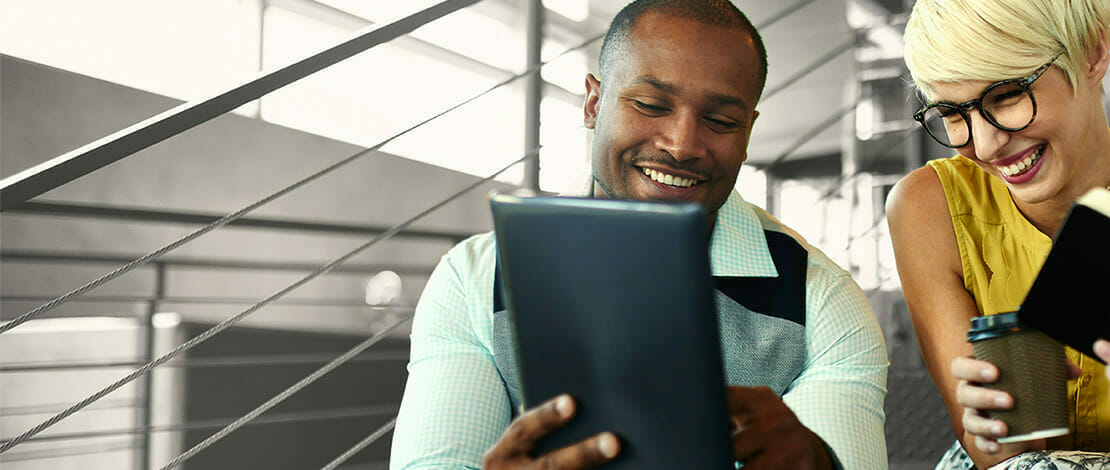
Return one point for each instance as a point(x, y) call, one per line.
point(986, 139)
point(681, 136)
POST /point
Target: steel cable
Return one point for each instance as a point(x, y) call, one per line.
point(231, 321)
point(204, 362)
point(374, 436)
point(785, 12)
point(810, 135)
point(810, 68)
point(276, 418)
point(235, 319)
point(244, 211)
point(283, 395)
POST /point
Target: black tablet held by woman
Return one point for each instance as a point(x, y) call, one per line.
point(1067, 299)
point(612, 302)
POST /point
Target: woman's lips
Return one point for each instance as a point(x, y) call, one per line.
point(1022, 168)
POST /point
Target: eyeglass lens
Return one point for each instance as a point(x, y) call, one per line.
point(1007, 106)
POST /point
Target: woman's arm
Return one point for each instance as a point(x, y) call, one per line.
point(941, 309)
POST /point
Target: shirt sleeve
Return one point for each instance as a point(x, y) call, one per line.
point(839, 394)
point(454, 406)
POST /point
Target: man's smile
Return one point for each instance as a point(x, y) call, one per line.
point(669, 179)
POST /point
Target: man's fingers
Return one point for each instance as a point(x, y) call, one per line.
point(588, 453)
point(747, 444)
point(980, 398)
point(984, 427)
point(523, 433)
point(974, 370)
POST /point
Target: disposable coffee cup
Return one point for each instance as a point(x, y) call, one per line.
point(1032, 368)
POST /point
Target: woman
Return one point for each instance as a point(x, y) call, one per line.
point(1014, 87)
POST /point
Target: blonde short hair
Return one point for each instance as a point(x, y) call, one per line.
point(991, 40)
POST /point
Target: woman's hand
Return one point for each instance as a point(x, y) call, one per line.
point(977, 399)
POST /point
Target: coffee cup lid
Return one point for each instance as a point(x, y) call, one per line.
point(993, 326)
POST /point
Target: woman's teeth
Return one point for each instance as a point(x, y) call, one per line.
point(1023, 165)
point(669, 180)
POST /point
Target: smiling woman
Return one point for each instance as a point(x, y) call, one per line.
point(1015, 87)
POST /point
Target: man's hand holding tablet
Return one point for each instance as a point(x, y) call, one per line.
point(514, 450)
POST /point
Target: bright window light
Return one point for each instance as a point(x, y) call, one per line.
point(752, 185)
point(577, 10)
point(465, 32)
point(385, 90)
point(567, 71)
point(564, 156)
point(186, 50)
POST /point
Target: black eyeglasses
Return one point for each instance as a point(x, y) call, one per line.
point(1008, 105)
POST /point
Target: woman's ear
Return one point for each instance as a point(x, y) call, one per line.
point(1098, 60)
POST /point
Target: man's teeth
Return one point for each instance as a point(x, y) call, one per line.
point(1023, 165)
point(670, 180)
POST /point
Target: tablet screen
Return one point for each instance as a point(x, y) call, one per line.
point(612, 302)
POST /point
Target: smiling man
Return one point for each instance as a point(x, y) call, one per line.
point(671, 113)
point(674, 122)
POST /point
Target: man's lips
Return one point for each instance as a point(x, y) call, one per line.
point(672, 177)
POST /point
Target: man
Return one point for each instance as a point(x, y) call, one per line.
point(671, 114)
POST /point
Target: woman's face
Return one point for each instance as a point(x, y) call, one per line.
point(1046, 160)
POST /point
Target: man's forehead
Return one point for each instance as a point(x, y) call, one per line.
point(669, 53)
point(664, 25)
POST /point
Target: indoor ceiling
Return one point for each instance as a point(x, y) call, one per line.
point(810, 48)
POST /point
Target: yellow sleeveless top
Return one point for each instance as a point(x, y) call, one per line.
point(1001, 253)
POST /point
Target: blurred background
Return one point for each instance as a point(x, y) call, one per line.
point(834, 135)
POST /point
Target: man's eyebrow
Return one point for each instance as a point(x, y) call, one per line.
point(728, 100)
point(667, 87)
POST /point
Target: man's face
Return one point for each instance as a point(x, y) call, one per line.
point(672, 119)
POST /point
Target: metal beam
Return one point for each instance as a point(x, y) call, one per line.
point(203, 218)
point(66, 257)
point(86, 159)
point(533, 94)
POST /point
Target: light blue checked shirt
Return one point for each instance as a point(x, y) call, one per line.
point(829, 368)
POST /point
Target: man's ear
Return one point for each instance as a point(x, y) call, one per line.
point(1098, 60)
point(755, 115)
point(593, 101)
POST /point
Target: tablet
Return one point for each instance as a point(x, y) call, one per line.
point(612, 302)
point(1066, 301)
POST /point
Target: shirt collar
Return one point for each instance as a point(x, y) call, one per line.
point(738, 246)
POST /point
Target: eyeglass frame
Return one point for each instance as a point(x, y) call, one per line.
point(1026, 84)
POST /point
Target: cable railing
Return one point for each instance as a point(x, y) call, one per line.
point(274, 418)
point(38, 179)
point(17, 189)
